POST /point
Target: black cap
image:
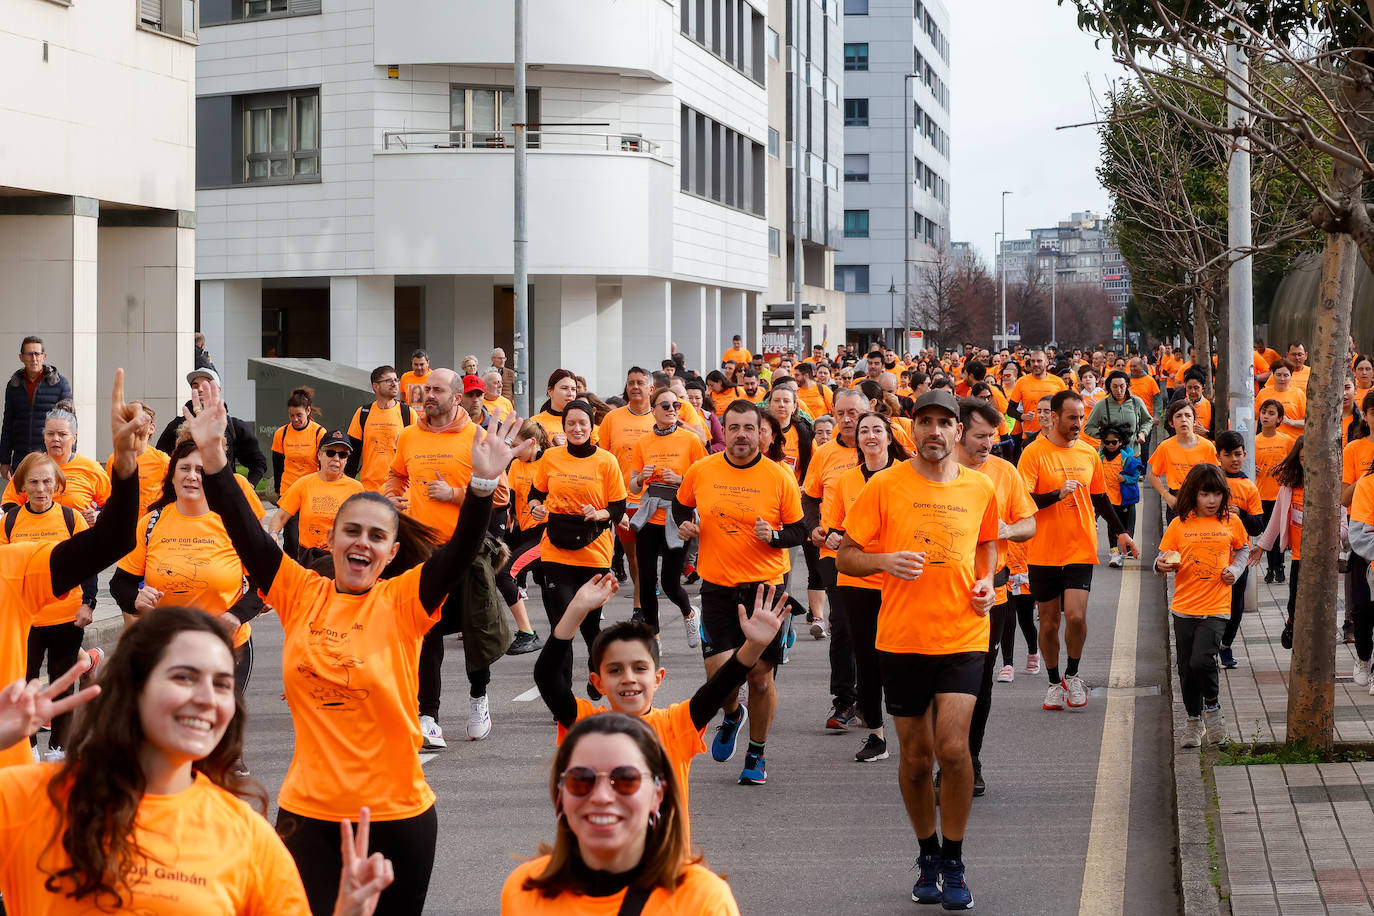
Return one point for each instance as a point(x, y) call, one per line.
point(937, 397)
point(336, 437)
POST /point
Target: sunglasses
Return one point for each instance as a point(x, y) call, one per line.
point(336, 452)
point(668, 405)
point(625, 780)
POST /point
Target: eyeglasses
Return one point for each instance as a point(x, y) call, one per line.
point(32, 355)
point(387, 380)
point(336, 452)
point(625, 780)
point(668, 405)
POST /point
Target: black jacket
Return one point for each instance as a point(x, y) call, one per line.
point(239, 440)
point(22, 429)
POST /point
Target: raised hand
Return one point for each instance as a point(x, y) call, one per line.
point(126, 421)
point(24, 707)
point(493, 448)
point(362, 878)
point(762, 626)
point(593, 594)
point(207, 423)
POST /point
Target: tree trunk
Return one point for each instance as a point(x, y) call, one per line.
point(1311, 679)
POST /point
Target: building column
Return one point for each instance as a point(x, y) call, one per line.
point(439, 312)
point(474, 323)
point(611, 355)
point(734, 318)
point(646, 320)
point(231, 320)
point(715, 343)
point(689, 326)
point(362, 320)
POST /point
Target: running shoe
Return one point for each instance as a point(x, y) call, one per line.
point(1214, 723)
point(1077, 690)
point(618, 567)
point(1279, 576)
point(818, 630)
point(841, 717)
point(691, 578)
point(979, 787)
point(692, 624)
point(791, 639)
point(479, 718)
point(1006, 675)
point(1348, 632)
point(954, 892)
point(1371, 688)
point(927, 886)
point(433, 734)
point(637, 616)
point(37, 754)
point(1268, 577)
point(54, 755)
point(1286, 637)
point(524, 642)
point(1033, 663)
point(1193, 732)
point(1115, 561)
point(1228, 658)
point(874, 748)
point(1361, 673)
point(755, 772)
point(1055, 698)
point(96, 655)
point(726, 742)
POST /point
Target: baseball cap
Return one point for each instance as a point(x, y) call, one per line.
point(472, 383)
point(194, 374)
point(938, 397)
point(336, 437)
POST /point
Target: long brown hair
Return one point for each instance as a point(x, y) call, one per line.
point(1288, 472)
point(185, 447)
point(99, 787)
point(666, 853)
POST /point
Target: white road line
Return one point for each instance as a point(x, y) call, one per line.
point(1104, 872)
point(527, 696)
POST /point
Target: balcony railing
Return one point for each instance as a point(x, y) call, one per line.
point(505, 139)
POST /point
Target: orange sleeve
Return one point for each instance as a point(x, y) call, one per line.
point(791, 501)
point(1159, 460)
point(614, 481)
point(290, 501)
point(1362, 503)
point(861, 522)
point(1239, 538)
point(686, 492)
point(279, 440)
point(988, 528)
point(1099, 481)
point(1171, 539)
point(135, 561)
point(355, 426)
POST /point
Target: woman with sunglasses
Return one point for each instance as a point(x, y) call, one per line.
point(622, 838)
point(350, 662)
point(314, 499)
point(657, 464)
point(147, 815)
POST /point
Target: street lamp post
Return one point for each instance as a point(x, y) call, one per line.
point(1002, 256)
point(892, 305)
point(906, 203)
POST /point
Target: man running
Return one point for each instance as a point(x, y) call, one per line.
point(373, 430)
point(1033, 386)
point(1066, 481)
point(931, 528)
point(749, 515)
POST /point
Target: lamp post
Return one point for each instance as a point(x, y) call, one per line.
point(906, 197)
point(1002, 256)
point(892, 306)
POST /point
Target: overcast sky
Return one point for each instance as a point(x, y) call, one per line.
point(1018, 73)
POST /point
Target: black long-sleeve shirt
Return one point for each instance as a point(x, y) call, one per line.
point(88, 552)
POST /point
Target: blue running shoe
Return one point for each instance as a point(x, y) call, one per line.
point(954, 892)
point(927, 887)
point(791, 637)
point(727, 735)
point(755, 772)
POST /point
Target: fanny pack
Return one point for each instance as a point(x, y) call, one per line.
point(1001, 577)
point(573, 532)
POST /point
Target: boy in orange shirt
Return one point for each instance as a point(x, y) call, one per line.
point(1246, 505)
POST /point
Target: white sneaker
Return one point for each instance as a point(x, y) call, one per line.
point(1361, 673)
point(54, 755)
point(479, 718)
point(37, 756)
point(692, 624)
point(818, 630)
point(1033, 663)
point(1192, 733)
point(1055, 698)
point(1371, 687)
point(1115, 561)
point(1077, 690)
point(1214, 721)
point(434, 735)
point(1006, 675)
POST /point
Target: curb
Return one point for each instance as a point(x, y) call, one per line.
point(103, 633)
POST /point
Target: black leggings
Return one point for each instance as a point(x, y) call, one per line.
point(1360, 605)
point(561, 583)
point(1025, 616)
point(1275, 552)
point(650, 544)
point(61, 642)
point(861, 608)
point(408, 843)
point(1126, 513)
point(243, 666)
point(1196, 640)
point(1002, 617)
point(1238, 609)
point(1293, 567)
point(431, 674)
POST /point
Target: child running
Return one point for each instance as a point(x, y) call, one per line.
point(1122, 470)
point(1206, 547)
point(1271, 447)
point(1246, 506)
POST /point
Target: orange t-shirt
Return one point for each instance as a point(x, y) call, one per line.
point(1206, 545)
point(817, 399)
point(1172, 462)
point(572, 483)
point(1028, 391)
point(413, 388)
point(1269, 451)
point(25, 589)
point(300, 451)
point(499, 407)
point(736, 355)
point(152, 471)
point(1244, 494)
point(520, 475)
point(828, 463)
point(1362, 503)
point(87, 483)
point(49, 526)
point(1013, 504)
point(350, 669)
point(1294, 402)
point(553, 425)
point(422, 456)
point(835, 509)
point(1111, 473)
point(1295, 524)
point(1356, 459)
point(728, 499)
point(900, 509)
point(677, 451)
point(316, 502)
point(379, 442)
point(208, 852)
point(689, 415)
point(1066, 530)
point(621, 429)
point(680, 738)
point(1202, 416)
point(1147, 389)
point(190, 560)
point(722, 401)
point(700, 893)
point(901, 431)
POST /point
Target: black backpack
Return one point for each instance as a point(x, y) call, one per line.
point(364, 411)
point(12, 518)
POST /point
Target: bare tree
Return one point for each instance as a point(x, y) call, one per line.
point(933, 307)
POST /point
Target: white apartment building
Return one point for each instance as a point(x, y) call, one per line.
point(1079, 249)
point(896, 156)
point(355, 181)
point(97, 197)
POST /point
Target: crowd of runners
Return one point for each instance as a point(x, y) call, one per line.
point(943, 509)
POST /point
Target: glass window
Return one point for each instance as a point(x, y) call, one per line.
point(856, 56)
point(774, 243)
point(856, 166)
point(856, 112)
point(774, 45)
point(263, 7)
point(856, 224)
point(773, 142)
point(856, 7)
point(851, 278)
point(281, 136)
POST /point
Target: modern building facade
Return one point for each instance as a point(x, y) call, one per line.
point(1077, 250)
point(897, 154)
point(355, 181)
point(97, 197)
point(808, 31)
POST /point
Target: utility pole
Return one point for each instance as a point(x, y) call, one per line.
point(798, 177)
point(1002, 256)
point(1054, 279)
point(522, 281)
point(906, 206)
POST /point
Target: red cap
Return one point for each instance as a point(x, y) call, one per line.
point(472, 383)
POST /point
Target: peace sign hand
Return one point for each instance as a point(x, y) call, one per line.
point(362, 878)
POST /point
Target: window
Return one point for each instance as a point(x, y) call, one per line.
point(856, 56)
point(481, 116)
point(731, 30)
point(263, 7)
point(851, 278)
point(773, 139)
point(774, 243)
point(774, 45)
point(856, 166)
point(856, 224)
point(720, 164)
point(856, 7)
point(281, 136)
point(177, 18)
point(856, 112)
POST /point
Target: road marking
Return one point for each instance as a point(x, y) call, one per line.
point(426, 758)
point(1104, 872)
point(527, 696)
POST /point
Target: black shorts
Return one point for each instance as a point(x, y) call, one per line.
point(720, 630)
point(911, 680)
point(1049, 582)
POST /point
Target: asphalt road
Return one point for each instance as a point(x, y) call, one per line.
point(828, 835)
